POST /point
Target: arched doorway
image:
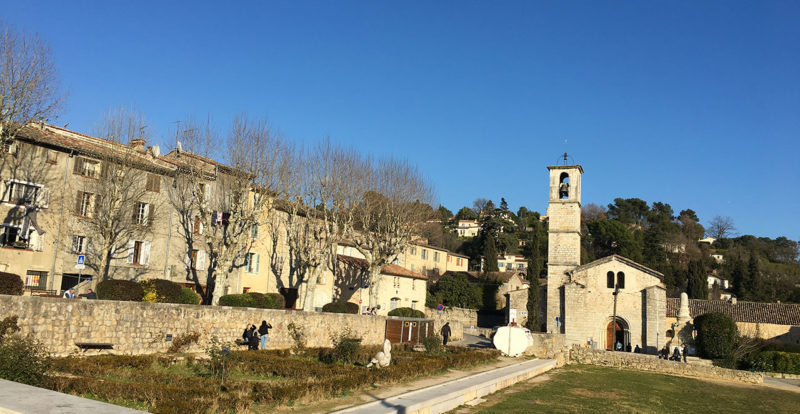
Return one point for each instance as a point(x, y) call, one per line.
point(622, 334)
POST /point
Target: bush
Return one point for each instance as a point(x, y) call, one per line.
point(23, 359)
point(124, 290)
point(345, 349)
point(161, 291)
point(341, 307)
point(433, 343)
point(716, 333)
point(253, 300)
point(775, 361)
point(456, 290)
point(407, 313)
point(188, 297)
point(8, 326)
point(11, 284)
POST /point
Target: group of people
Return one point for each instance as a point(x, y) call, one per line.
point(677, 353)
point(618, 347)
point(252, 335)
point(70, 294)
point(371, 311)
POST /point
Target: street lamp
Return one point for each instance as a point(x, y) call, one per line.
point(614, 318)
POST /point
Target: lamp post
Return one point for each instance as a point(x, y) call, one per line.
point(614, 318)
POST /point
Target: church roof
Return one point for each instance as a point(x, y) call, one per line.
point(754, 312)
point(622, 260)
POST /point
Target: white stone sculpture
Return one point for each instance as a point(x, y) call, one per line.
point(382, 358)
point(682, 328)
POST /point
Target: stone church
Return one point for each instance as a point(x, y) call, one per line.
point(583, 299)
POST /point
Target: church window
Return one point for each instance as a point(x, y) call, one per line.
point(610, 280)
point(563, 186)
point(621, 280)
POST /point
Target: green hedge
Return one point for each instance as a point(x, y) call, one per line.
point(161, 291)
point(716, 333)
point(341, 307)
point(188, 297)
point(11, 284)
point(407, 313)
point(124, 290)
point(253, 300)
point(774, 361)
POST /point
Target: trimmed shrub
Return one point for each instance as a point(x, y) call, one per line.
point(23, 359)
point(774, 361)
point(345, 349)
point(716, 333)
point(161, 291)
point(188, 297)
point(407, 313)
point(11, 284)
point(433, 343)
point(267, 300)
point(341, 307)
point(124, 290)
point(253, 300)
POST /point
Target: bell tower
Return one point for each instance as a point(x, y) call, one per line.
point(564, 238)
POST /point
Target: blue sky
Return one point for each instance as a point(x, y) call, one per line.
point(692, 103)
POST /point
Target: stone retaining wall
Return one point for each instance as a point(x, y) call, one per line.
point(546, 345)
point(461, 320)
point(643, 362)
point(141, 328)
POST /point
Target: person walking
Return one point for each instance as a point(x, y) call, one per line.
point(446, 332)
point(263, 332)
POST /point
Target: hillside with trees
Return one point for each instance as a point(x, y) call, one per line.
point(759, 268)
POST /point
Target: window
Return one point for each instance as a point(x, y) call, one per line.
point(86, 168)
point(563, 186)
point(414, 304)
point(142, 214)
point(412, 267)
point(251, 262)
point(254, 231)
point(52, 156)
point(14, 235)
point(396, 261)
point(509, 266)
point(395, 302)
point(424, 254)
point(424, 270)
point(520, 267)
point(193, 261)
point(500, 265)
point(84, 204)
point(79, 244)
point(201, 191)
point(412, 251)
point(35, 279)
point(138, 252)
point(197, 225)
point(621, 280)
point(153, 183)
point(20, 192)
point(197, 260)
point(413, 285)
point(435, 256)
point(610, 280)
point(397, 283)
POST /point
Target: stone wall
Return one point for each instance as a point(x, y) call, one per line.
point(461, 320)
point(643, 362)
point(546, 345)
point(141, 328)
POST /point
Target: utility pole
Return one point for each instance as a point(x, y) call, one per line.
point(614, 321)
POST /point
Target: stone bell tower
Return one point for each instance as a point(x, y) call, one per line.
point(564, 238)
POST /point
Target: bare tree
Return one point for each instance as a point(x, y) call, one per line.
point(721, 227)
point(480, 205)
point(29, 87)
point(115, 202)
point(218, 205)
point(394, 203)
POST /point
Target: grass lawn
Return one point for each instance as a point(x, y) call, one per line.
point(587, 388)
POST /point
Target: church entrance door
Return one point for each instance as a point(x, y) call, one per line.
point(621, 337)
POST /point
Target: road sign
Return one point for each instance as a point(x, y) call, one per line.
point(81, 259)
point(80, 266)
point(440, 307)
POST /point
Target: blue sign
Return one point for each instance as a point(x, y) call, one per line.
point(440, 307)
point(81, 259)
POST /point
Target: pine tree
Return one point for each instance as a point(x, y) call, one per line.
point(490, 254)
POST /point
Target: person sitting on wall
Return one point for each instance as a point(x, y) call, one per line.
point(619, 346)
point(663, 353)
point(637, 350)
point(89, 295)
point(628, 348)
point(676, 355)
point(69, 294)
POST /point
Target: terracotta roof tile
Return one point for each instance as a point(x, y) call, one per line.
point(754, 312)
point(390, 269)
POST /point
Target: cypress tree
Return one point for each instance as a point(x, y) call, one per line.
point(490, 254)
point(697, 285)
point(534, 270)
point(752, 279)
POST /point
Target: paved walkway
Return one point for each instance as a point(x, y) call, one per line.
point(16, 398)
point(449, 395)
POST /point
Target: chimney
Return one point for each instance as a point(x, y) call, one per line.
point(137, 144)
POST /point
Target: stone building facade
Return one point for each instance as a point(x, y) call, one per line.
point(584, 300)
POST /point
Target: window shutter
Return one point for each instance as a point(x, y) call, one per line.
point(78, 168)
point(191, 225)
point(75, 244)
point(131, 245)
point(78, 202)
point(200, 230)
point(97, 204)
point(146, 219)
point(4, 188)
point(145, 260)
point(187, 260)
point(257, 260)
point(201, 260)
